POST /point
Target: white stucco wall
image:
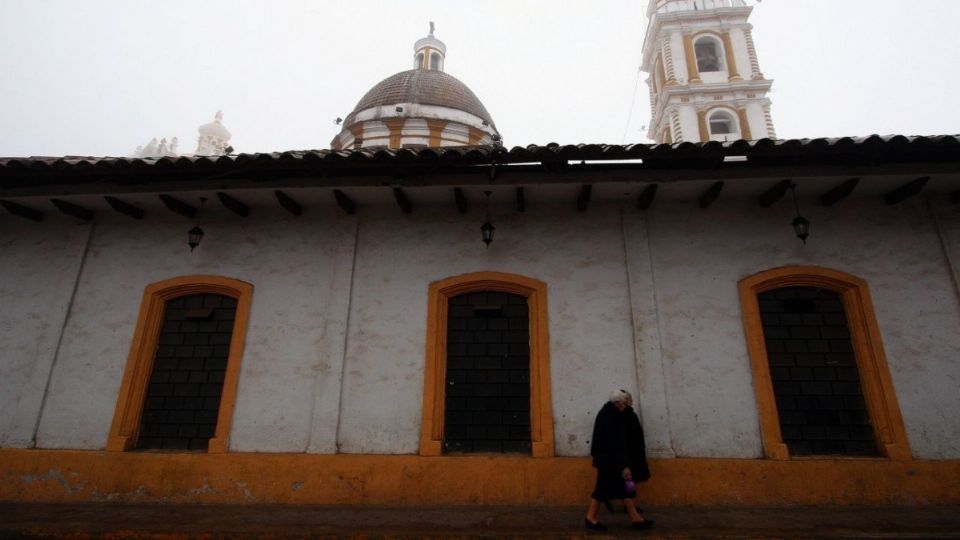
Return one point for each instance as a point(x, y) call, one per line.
point(579, 256)
point(335, 345)
point(39, 263)
point(698, 260)
point(293, 341)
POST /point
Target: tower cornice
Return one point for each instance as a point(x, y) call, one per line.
point(659, 20)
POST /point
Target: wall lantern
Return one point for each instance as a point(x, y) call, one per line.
point(195, 235)
point(801, 225)
point(486, 230)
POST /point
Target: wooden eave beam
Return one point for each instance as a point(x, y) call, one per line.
point(583, 199)
point(124, 207)
point(344, 202)
point(520, 199)
point(774, 194)
point(710, 195)
point(646, 196)
point(73, 210)
point(839, 193)
point(232, 204)
point(402, 200)
point(22, 211)
point(177, 206)
point(460, 199)
point(288, 203)
point(906, 191)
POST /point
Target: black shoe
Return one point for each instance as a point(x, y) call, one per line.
point(594, 526)
point(645, 524)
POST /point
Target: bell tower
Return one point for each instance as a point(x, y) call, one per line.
point(705, 80)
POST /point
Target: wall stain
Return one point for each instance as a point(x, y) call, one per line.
point(56, 476)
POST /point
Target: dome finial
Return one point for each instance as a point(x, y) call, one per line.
point(429, 52)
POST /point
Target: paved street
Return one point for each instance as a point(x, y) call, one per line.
point(170, 522)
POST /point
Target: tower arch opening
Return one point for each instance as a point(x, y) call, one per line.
point(723, 125)
point(709, 53)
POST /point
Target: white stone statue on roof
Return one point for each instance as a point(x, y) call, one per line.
point(155, 149)
point(214, 137)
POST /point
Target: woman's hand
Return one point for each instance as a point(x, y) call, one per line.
point(627, 475)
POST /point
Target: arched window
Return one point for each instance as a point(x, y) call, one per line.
point(487, 374)
point(709, 55)
point(820, 373)
point(723, 126)
point(418, 64)
point(434, 61)
point(179, 385)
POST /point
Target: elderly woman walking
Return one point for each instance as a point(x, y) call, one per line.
point(619, 456)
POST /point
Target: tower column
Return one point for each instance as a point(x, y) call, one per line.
point(667, 58)
point(702, 123)
point(768, 121)
point(744, 124)
point(731, 61)
point(662, 76)
point(752, 52)
point(693, 75)
point(676, 134)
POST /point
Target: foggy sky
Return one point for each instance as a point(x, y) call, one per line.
point(101, 77)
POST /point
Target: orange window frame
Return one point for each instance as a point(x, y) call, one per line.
point(434, 389)
point(136, 376)
point(878, 391)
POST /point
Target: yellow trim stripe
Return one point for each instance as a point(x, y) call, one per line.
point(146, 477)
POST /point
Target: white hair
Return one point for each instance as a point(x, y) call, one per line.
point(619, 396)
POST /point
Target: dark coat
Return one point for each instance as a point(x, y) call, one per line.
point(610, 453)
point(609, 444)
point(636, 447)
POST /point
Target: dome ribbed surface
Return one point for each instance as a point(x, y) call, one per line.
point(425, 87)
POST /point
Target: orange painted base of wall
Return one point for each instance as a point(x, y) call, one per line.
point(91, 476)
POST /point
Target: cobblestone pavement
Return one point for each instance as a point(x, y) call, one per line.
point(173, 522)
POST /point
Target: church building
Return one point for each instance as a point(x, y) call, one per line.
point(421, 315)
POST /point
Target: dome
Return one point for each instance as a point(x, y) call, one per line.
point(421, 107)
point(425, 87)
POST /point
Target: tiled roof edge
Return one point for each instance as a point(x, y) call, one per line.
point(467, 155)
